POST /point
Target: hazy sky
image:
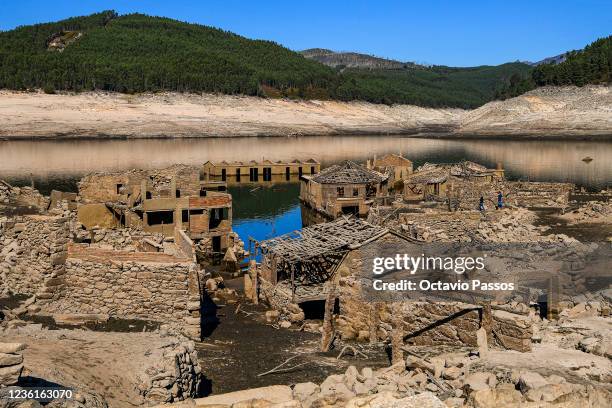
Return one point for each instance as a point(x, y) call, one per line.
point(459, 32)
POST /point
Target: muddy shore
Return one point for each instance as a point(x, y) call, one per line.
point(565, 112)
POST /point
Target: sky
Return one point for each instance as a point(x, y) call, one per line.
point(444, 32)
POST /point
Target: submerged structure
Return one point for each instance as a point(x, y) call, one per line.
point(346, 188)
point(265, 171)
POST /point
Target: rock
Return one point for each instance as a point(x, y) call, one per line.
point(454, 402)
point(550, 392)
point(297, 317)
point(530, 380)
point(10, 359)
point(274, 394)
point(303, 390)
point(10, 375)
point(495, 398)
point(452, 373)
point(11, 348)
point(479, 381)
point(285, 324)
point(272, 315)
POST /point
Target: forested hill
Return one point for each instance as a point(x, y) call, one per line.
point(592, 65)
point(134, 53)
point(138, 53)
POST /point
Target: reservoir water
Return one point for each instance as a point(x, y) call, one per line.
point(264, 211)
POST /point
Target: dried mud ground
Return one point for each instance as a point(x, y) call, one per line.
point(243, 345)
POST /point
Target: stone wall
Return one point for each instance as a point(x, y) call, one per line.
point(427, 323)
point(136, 285)
point(32, 255)
point(176, 376)
point(515, 193)
point(356, 317)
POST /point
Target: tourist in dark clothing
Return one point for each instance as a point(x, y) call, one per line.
point(500, 200)
point(481, 205)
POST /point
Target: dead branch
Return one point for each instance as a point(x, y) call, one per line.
point(355, 352)
point(238, 308)
point(278, 368)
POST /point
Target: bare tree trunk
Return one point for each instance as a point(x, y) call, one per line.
point(397, 334)
point(328, 324)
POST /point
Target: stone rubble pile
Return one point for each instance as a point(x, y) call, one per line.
point(507, 225)
point(11, 363)
point(176, 375)
point(592, 211)
point(22, 196)
point(119, 239)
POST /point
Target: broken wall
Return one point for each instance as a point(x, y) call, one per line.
point(32, 255)
point(132, 285)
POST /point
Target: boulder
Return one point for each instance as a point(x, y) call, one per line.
point(479, 381)
point(11, 348)
point(10, 375)
point(10, 359)
point(530, 380)
point(274, 394)
point(303, 391)
point(496, 398)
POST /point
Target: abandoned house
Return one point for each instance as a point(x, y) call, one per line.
point(158, 201)
point(346, 188)
point(326, 268)
point(397, 166)
point(265, 171)
point(433, 180)
point(296, 266)
point(460, 185)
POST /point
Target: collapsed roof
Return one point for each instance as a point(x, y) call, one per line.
point(340, 235)
point(348, 172)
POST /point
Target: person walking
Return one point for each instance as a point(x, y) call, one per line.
point(481, 205)
point(500, 200)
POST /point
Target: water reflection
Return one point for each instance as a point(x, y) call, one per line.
point(265, 211)
point(60, 163)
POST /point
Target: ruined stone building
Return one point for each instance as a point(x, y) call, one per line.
point(332, 262)
point(397, 166)
point(460, 186)
point(295, 267)
point(98, 282)
point(159, 201)
point(265, 171)
point(346, 188)
point(430, 180)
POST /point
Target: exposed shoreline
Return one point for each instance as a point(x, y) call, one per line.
point(567, 113)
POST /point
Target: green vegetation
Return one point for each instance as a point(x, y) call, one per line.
point(136, 53)
point(139, 53)
point(592, 65)
point(435, 86)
